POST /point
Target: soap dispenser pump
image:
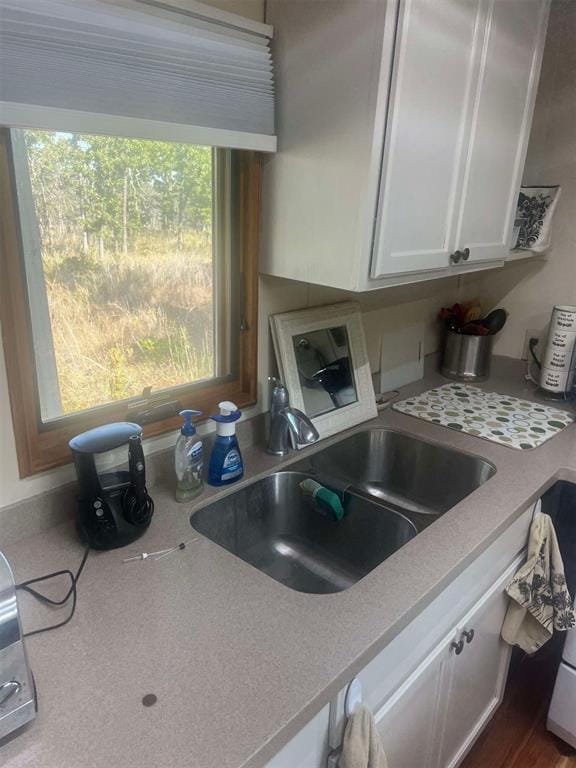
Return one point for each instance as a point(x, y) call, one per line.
point(226, 465)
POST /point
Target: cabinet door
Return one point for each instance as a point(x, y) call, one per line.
point(433, 76)
point(502, 114)
point(409, 720)
point(478, 674)
point(309, 748)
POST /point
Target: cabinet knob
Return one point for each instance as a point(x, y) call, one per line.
point(465, 254)
point(458, 646)
point(455, 257)
point(468, 634)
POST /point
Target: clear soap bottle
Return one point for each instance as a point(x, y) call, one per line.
point(188, 459)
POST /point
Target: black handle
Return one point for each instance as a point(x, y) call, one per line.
point(455, 257)
point(137, 468)
point(468, 634)
point(458, 646)
point(458, 256)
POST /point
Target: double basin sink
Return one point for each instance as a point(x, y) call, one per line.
point(392, 484)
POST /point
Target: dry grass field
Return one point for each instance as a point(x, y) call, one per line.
point(122, 322)
point(125, 227)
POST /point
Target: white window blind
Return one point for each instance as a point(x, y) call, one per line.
point(137, 68)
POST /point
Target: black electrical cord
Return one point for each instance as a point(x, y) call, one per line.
point(531, 344)
point(45, 600)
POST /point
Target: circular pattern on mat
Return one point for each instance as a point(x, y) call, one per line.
point(507, 420)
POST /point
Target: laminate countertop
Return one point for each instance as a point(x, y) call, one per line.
point(238, 662)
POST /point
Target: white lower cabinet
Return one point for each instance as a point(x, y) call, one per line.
point(309, 748)
point(435, 716)
point(434, 687)
point(477, 676)
point(408, 722)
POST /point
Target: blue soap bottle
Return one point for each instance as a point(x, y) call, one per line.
point(226, 465)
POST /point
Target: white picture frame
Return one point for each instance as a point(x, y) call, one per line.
point(286, 325)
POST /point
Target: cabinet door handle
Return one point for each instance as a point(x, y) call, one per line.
point(455, 257)
point(458, 256)
point(468, 634)
point(458, 646)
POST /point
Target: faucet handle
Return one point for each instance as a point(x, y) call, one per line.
point(280, 397)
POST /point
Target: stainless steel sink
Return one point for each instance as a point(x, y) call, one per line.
point(413, 474)
point(276, 528)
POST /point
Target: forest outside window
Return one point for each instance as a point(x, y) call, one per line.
point(129, 269)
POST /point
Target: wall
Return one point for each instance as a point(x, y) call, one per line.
point(251, 9)
point(528, 290)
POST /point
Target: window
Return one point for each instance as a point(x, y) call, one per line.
point(128, 283)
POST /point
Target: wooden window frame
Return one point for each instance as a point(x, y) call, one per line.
point(43, 446)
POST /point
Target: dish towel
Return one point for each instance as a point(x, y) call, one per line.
point(539, 598)
point(362, 747)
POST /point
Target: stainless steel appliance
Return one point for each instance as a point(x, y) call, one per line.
point(467, 357)
point(17, 694)
point(562, 713)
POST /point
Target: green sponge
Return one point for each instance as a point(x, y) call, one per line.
point(324, 497)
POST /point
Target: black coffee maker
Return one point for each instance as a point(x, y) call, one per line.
point(114, 508)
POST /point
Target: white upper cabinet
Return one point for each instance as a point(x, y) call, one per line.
point(504, 102)
point(403, 127)
point(436, 49)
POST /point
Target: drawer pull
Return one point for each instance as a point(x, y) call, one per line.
point(458, 256)
point(455, 257)
point(468, 634)
point(458, 646)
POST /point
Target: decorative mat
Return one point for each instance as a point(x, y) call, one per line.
point(507, 420)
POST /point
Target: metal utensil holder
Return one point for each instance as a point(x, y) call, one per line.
point(466, 357)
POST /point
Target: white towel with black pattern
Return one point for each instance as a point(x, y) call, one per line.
point(539, 599)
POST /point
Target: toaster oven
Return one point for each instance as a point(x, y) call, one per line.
point(17, 693)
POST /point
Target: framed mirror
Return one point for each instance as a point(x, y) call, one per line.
point(322, 360)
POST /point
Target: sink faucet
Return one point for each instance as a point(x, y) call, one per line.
point(288, 426)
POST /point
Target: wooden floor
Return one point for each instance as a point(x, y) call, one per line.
point(517, 735)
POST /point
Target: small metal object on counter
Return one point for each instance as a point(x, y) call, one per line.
point(160, 553)
point(17, 692)
point(467, 358)
point(145, 555)
point(182, 545)
point(287, 424)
